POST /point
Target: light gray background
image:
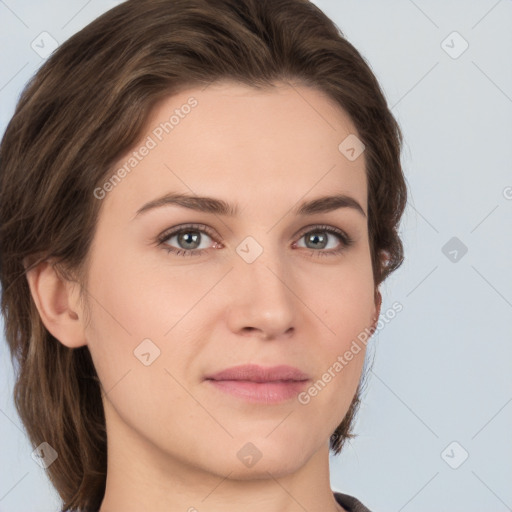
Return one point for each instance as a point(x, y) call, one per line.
point(442, 368)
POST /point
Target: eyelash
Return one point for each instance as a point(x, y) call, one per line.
point(345, 240)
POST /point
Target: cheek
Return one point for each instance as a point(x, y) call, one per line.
point(123, 313)
point(134, 299)
point(130, 315)
point(344, 301)
point(346, 309)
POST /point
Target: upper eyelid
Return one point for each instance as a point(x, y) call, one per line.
point(178, 229)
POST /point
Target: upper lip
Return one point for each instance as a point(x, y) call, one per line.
point(255, 373)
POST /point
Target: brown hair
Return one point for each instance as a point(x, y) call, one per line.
point(84, 108)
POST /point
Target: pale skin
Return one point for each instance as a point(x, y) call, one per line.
point(172, 438)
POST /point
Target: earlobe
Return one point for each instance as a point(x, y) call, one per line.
point(56, 302)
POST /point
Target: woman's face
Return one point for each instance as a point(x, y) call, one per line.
point(266, 286)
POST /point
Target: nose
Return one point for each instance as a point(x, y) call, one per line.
point(262, 302)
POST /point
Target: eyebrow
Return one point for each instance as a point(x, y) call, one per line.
point(322, 204)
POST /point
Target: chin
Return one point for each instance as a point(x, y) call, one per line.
point(254, 460)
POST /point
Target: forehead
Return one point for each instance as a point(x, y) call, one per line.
point(241, 144)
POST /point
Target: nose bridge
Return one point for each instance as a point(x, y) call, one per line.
point(262, 298)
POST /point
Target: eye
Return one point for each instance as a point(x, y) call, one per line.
point(318, 238)
point(188, 238)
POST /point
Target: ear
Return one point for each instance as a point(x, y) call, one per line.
point(57, 301)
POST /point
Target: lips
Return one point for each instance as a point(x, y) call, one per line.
point(255, 373)
point(258, 384)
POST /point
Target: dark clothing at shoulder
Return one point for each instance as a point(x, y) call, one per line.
point(349, 503)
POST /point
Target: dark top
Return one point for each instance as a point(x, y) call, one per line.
point(350, 503)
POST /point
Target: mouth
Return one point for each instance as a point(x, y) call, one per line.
point(267, 385)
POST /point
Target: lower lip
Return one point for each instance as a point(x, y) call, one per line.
point(261, 392)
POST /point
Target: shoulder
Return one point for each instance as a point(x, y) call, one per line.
point(349, 503)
